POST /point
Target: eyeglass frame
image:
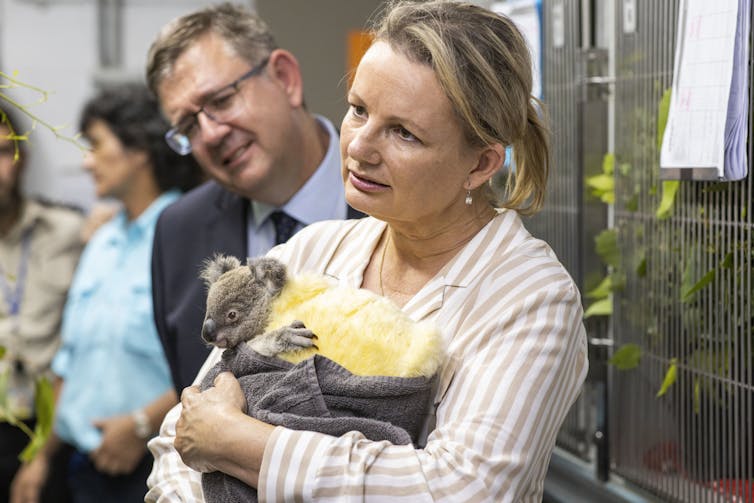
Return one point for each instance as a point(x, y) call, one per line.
point(172, 134)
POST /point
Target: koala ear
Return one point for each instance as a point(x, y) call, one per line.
point(215, 267)
point(269, 271)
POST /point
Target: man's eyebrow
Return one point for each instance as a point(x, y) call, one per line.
point(202, 98)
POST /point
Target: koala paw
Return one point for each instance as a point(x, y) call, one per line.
point(290, 338)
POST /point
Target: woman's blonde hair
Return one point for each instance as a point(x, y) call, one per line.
point(482, 62)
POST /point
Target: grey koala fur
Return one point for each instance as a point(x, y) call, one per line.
point(238, 306)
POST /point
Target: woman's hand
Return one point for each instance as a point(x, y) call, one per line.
point(121, 448)
point(209, 422)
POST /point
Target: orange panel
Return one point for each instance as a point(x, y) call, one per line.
point(357, 44)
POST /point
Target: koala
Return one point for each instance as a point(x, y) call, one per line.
point(278, 316)
point(238, 306)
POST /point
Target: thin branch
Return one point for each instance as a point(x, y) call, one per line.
point(15, 83)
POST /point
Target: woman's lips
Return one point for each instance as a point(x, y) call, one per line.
point(365, 184)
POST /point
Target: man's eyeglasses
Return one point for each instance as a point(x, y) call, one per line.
point(221, 107)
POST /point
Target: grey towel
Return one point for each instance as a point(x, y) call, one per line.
point(318, 395)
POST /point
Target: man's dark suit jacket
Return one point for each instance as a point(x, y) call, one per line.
point(205, 221)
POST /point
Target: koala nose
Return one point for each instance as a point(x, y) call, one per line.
point(208, 330)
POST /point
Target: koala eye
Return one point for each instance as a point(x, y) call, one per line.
point(231, 315)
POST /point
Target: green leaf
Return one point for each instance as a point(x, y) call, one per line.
point(44, 402)
point(608, 164)
point(716, 187)
point(600, 183)
point(669, 190)
point(607, 247)
point(627, 357)
point(2, 351)
point(697, 396)
point(602, 290)
point(602, 186)
point(617, 281)
point(727, 262)
point(641, 269)
point(632, 204)
point(662, 116)
point(670, 377)
point(686, 296)
point(602, 307)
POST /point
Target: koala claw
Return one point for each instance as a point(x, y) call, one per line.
point(289, 338)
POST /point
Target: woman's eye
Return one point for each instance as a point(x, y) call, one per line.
point(358, 110)
point(405, 134)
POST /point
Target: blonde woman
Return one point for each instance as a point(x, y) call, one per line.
point(436, 99)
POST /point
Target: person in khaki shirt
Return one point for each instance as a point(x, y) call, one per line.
point(40, 245)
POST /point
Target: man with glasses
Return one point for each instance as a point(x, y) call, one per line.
point(235, 101)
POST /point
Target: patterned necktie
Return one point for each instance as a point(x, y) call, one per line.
point(284, 226)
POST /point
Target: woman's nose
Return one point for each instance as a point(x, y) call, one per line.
point(363, 146)
point(88, 162)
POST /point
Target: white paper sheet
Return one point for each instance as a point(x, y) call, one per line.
point(695, 135)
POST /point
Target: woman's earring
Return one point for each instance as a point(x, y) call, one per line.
point(468, 198)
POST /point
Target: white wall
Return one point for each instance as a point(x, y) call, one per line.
point(53, 44)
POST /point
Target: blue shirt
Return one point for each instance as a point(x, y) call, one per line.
point(111, 358)
point(307, 205)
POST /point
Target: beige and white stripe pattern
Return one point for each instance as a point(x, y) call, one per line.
point(517, 358)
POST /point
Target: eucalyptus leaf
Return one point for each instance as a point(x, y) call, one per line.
point(641, 269)
point(602, 290)
point(669, 190)
point(617, 280)
point(715, 187)
point(607, 247)
point(601, 182)
point(44, 403)
point(608, 164)
point(627, 357)
point(670, 377)
point(32, 448)
point(632, 204)
point(697, 396)
point(727, 262)
point(663, 109)
point(688, 295)
point(2, 351)
point(602, 307)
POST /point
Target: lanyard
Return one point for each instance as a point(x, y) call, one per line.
point(13, 296)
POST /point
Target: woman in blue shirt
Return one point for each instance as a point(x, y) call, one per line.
point(114, 385)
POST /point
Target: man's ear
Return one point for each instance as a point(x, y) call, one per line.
point(490, 160)
point(284, 69)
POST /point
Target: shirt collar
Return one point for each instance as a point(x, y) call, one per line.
point(146, 220)
point(307, 205)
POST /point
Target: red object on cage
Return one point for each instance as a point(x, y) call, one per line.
point(739, 491)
